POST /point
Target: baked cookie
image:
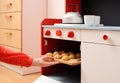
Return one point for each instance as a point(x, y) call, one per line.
point(71, 56)
point(78, 55)
point(66, 58)
point(57, 56)
point(49, 54)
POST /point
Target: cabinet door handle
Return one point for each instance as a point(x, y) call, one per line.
point(9, 34)
point(105, 37)
point(9, 5)
point(8, 17)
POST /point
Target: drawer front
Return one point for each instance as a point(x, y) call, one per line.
point(100, 36)
point(62, 33)
point(10, 5)
point(11, 38)
point(10, 20)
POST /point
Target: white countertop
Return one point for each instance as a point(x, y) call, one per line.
point(83, 26)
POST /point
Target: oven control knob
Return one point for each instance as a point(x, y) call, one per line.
point(47, 33)
point(70, 34)
point(58, 32)
point(105, 37)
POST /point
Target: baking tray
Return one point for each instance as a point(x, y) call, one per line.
point(71, 62)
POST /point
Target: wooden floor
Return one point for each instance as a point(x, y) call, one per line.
point(8, 76)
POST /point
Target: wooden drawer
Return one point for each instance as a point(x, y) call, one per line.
point(10, 5)
point(100, 36)
point(11, 38)
point(10, 20)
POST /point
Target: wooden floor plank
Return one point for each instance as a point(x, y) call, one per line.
point(8, 76)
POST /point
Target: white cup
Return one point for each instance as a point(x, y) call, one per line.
point(97, 20)
point(91, 20)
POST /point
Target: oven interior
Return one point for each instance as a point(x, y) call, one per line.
point(62, 72)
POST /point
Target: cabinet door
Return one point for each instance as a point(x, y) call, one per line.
point(100, 63)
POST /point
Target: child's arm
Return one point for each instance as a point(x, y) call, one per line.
point(15, 58)
point(22, 59)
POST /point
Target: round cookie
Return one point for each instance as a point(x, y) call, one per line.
point(64, 54)
point(57, 56)
point(70, 53)
point(71, 56)
point(66, 58)
point(78, 55)
point(62, 51)
point(56, 52)
point(49, 54)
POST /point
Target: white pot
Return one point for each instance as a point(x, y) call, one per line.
point(72, 17)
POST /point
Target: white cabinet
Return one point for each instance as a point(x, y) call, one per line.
point(100, 59)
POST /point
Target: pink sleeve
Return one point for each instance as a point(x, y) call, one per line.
point(15, 58)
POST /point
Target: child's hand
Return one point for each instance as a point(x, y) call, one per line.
point(44, 61)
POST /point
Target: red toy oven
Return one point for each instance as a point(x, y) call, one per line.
point(62, 72)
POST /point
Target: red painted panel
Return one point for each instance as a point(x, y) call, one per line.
point(47, 21)
point(73, 5)
point(45, 49)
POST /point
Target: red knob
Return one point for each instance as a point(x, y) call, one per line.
point(71, 34)
point(58, 32)
point(105, 37)
point(47, 33)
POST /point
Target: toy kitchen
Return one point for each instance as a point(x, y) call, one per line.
point(87, 54)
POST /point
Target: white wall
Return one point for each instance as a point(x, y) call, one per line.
point(33, 12)
point(56, 8)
